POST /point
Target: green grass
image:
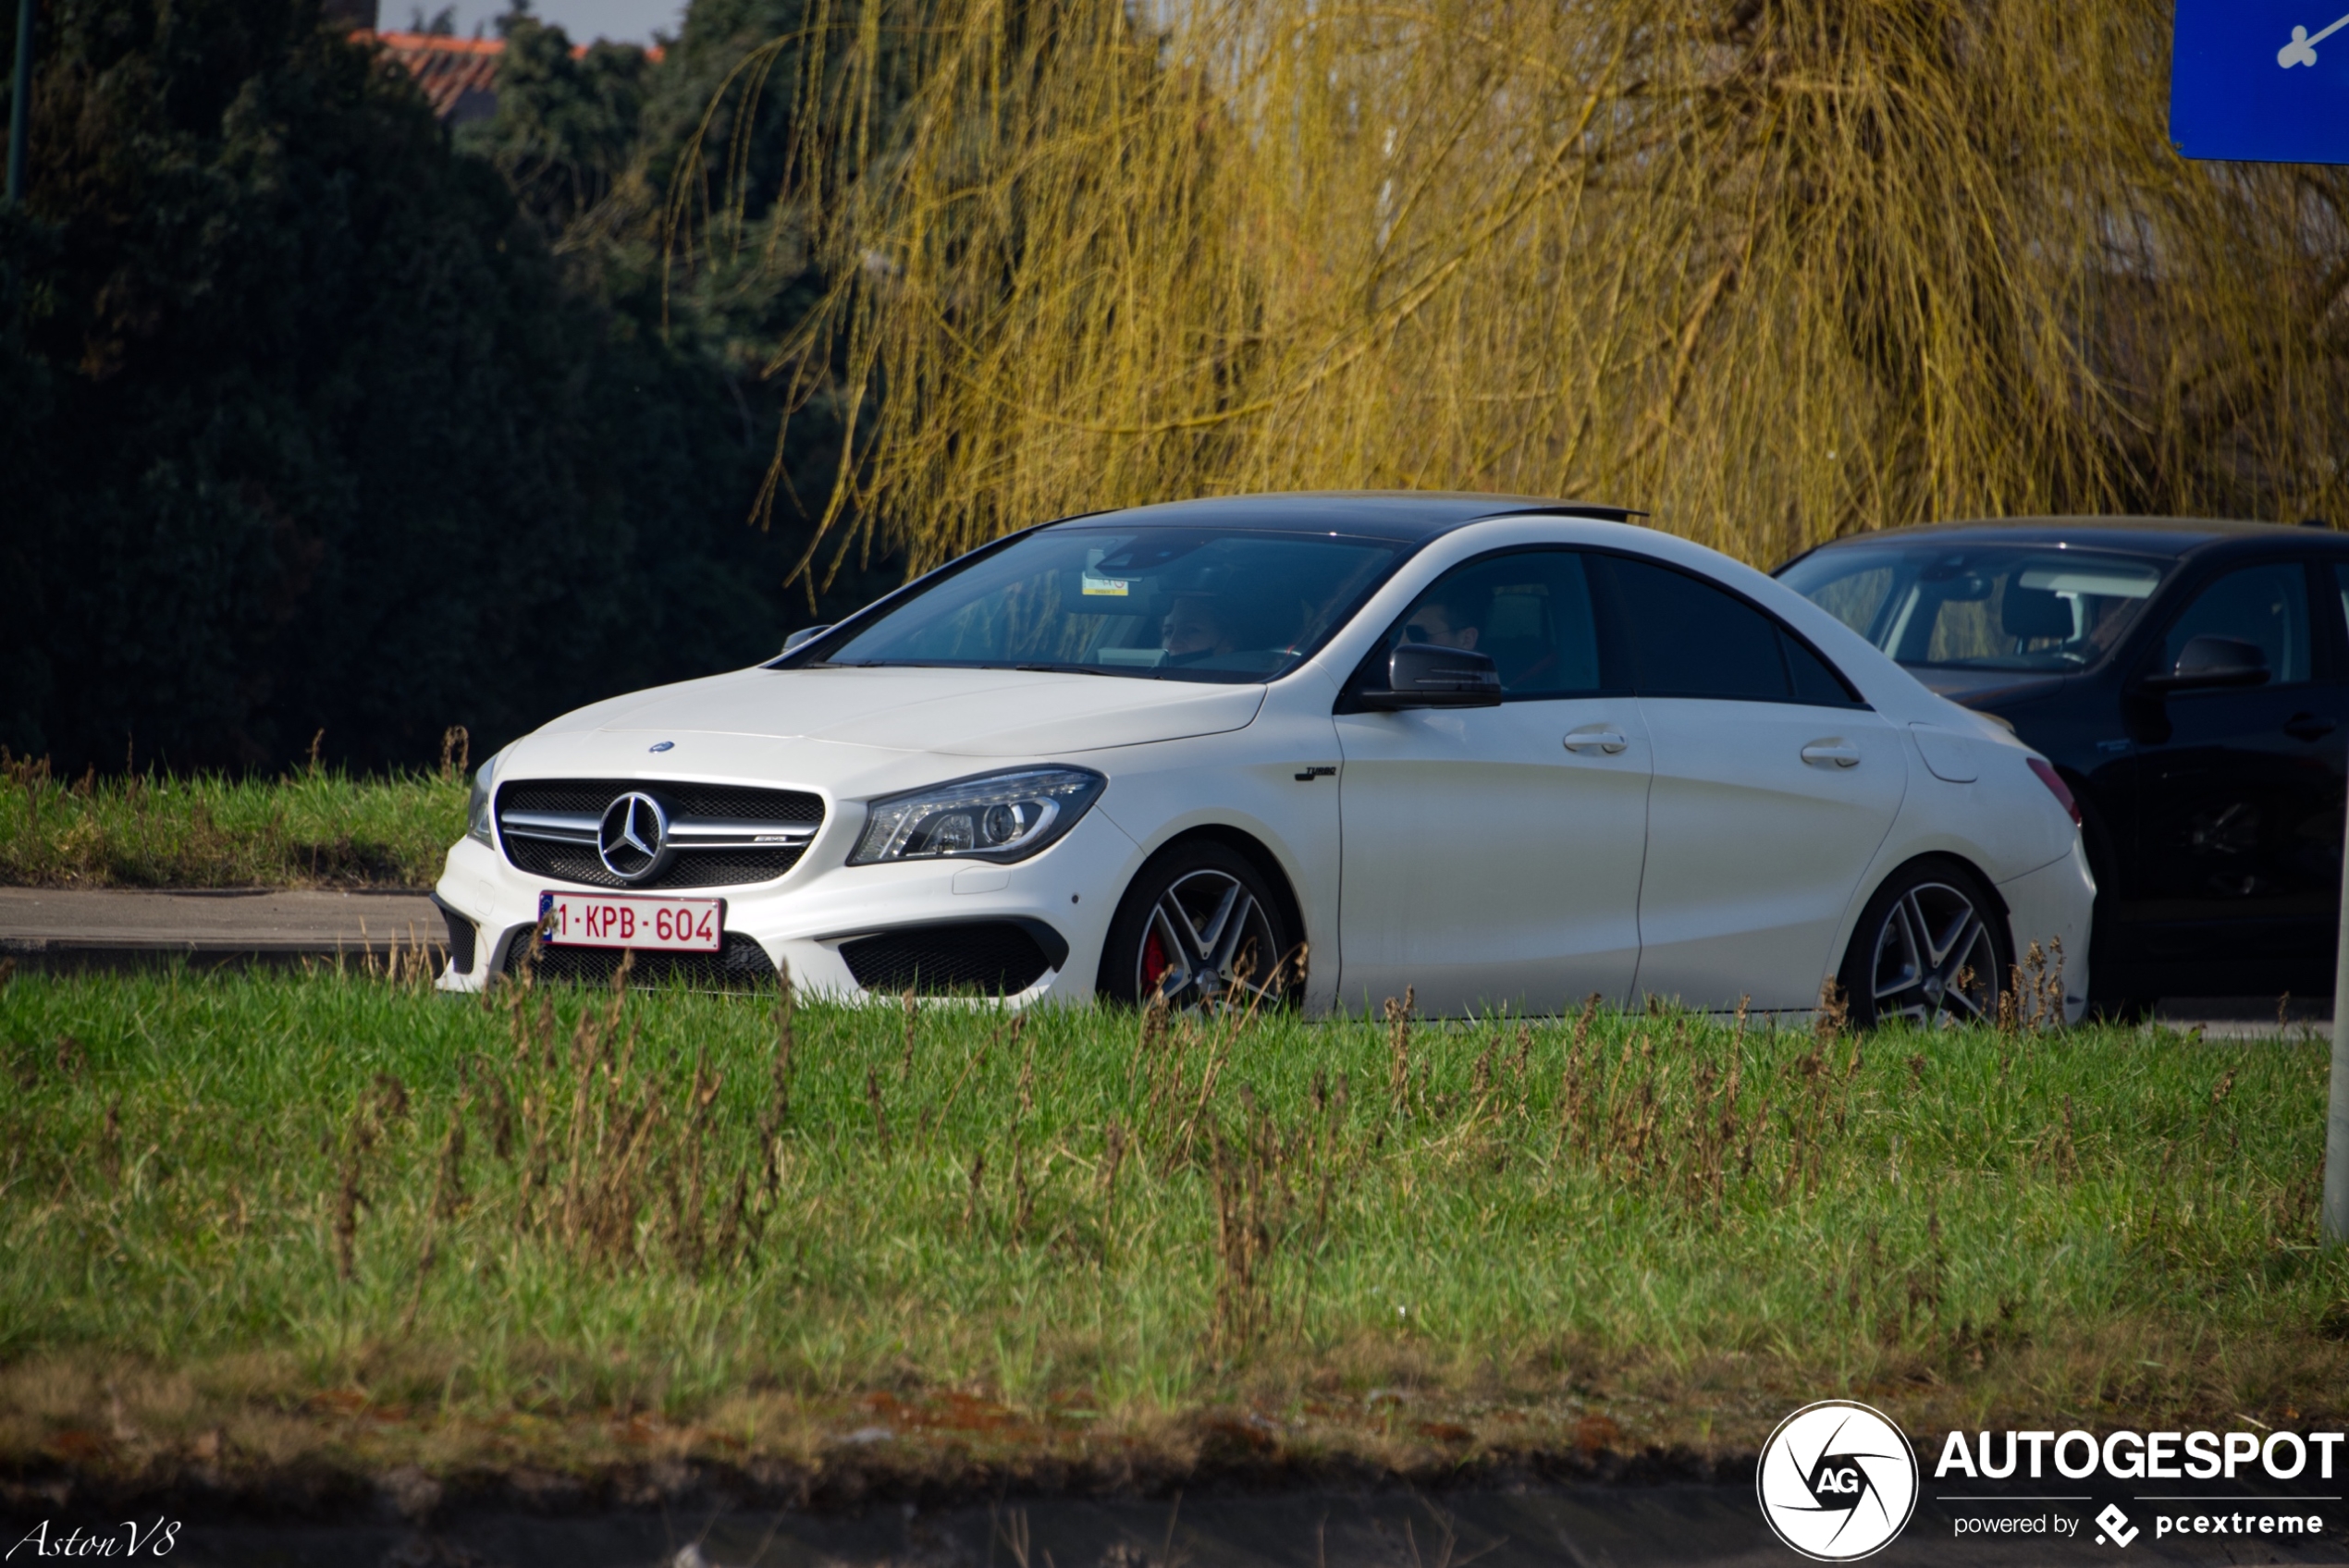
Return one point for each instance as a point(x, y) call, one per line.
point(233, 1204)
point(312, 829)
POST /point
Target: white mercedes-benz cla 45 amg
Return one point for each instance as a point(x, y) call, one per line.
point(1504, 753)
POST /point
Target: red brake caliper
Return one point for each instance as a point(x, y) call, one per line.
point(1154, 965)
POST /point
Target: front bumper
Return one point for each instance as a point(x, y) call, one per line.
point(1065, 897)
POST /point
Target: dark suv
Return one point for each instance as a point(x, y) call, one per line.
point(2189, 679)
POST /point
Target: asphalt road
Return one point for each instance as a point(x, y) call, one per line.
point(110, 927)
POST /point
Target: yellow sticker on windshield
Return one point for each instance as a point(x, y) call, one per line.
point(1104, 587)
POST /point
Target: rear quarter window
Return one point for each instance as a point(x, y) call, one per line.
point(1689, 638)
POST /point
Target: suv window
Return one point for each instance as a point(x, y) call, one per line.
point(2264, 606)
point(1691, 638)
point(2340, 581)
point(1951, 603)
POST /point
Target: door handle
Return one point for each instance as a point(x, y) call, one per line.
point(1595, 738)
point(1843, 754)
point(2308, 727)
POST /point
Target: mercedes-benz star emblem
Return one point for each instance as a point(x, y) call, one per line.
point(633, 839)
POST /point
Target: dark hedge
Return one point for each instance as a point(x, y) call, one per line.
point(304, 426)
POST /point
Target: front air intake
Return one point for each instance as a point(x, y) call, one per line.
point(986, 958)
point(741, 966)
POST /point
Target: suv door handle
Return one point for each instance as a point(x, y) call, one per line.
point(1595, 738)
point(1843, 754)
point(2308, 727)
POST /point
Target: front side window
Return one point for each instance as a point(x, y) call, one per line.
point(2264, 605)
point(1689, 638)
point(1941, 606)
point(1169, 604)
point(1529, 612)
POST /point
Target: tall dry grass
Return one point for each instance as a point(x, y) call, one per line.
point(1774, 270)
point(229, 1199)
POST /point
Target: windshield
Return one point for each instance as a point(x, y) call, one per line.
point(1946, 605)
point(1168, 604)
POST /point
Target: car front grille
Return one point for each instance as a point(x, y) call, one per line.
point(546, 828)
point(741, 964)
point(563, 863)
point(991, 958)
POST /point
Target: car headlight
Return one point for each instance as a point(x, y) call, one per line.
point(997, 816)
point(477, 814)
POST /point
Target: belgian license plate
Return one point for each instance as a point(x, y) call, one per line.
point(588, 920)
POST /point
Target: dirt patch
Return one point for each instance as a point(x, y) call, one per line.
point(950, 1451)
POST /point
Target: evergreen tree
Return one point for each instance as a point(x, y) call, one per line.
point(306, 425)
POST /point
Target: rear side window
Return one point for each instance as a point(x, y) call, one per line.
point(1688, 638)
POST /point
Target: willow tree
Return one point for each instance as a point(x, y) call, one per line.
point(1772, 270)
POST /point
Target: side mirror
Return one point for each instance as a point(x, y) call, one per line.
point(1422, 675)
point(804, 634)
point(2210, 662)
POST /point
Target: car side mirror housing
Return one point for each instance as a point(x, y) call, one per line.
point(803, 635)
point(1426, 675)
point(2207, 663)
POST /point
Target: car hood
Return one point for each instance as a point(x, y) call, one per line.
point(968, 713)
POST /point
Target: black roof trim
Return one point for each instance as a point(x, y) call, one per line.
point(1414, 516)
point(1576, 509)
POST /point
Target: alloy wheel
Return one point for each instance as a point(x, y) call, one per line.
point(1208, 943)
point(1935, 963)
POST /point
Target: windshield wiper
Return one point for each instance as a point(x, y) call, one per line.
point(921, 663)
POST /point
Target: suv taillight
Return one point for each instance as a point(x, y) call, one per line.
point(2056, 786)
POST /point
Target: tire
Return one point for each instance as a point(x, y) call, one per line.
point(1200, 921)
point(1922, 948)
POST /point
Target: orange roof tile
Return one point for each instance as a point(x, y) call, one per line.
point(459, 74)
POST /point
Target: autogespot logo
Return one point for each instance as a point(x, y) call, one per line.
point(1838, 1481)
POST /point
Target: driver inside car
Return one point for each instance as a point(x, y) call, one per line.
point(1195, 629)
point(1446, 620)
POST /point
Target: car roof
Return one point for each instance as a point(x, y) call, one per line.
point(1411, 516)
point(2165, 536)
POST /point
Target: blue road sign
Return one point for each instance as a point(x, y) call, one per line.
point(2263, 81)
